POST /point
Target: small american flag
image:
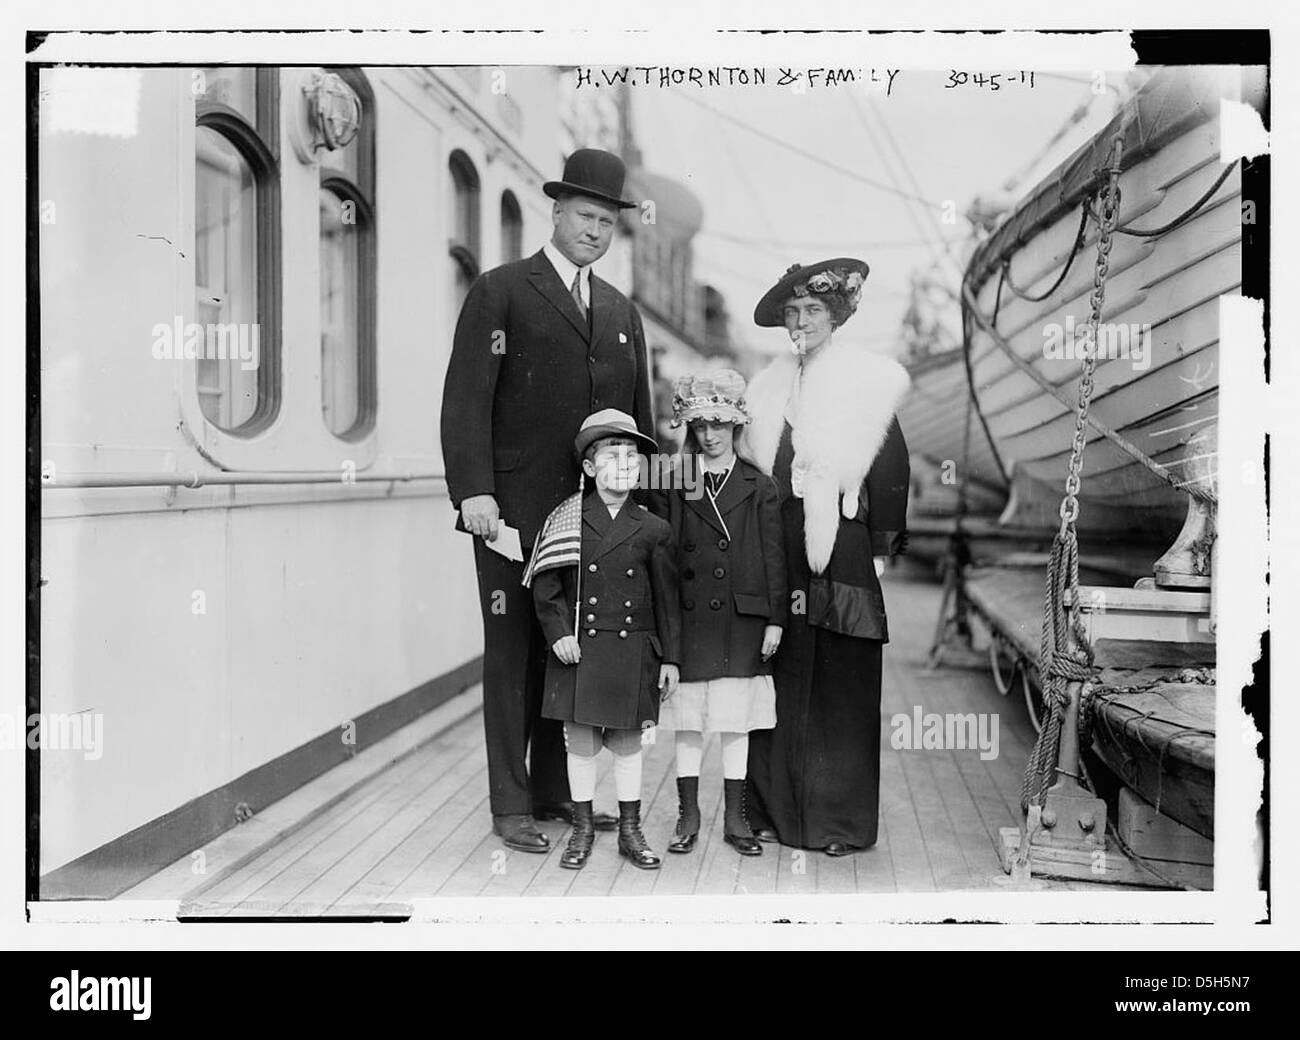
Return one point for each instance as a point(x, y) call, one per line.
point(560, 542)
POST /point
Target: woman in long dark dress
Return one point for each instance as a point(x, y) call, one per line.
point(824, 428)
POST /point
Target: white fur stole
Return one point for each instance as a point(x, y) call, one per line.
point(846, 401)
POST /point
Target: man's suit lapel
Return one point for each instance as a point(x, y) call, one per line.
point(602, 306)
point(547, 282)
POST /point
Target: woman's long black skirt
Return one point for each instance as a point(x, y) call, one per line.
point(815, 778)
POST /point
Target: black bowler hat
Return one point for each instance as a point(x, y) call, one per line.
point(592, 172)
point(843, 276)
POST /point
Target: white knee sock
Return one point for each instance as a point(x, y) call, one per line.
point(690, 751)
point(582, 777)
point(735, 755)
point(627, 777)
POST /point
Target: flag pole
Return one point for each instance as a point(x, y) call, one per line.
point(577, 586)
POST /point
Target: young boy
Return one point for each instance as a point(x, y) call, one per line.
point(613, 625)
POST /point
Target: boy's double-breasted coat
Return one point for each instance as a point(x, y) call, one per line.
point(629, 621)
point(731, 567)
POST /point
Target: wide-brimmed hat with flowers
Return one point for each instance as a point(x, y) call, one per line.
point(841, 276)
point(716, 396)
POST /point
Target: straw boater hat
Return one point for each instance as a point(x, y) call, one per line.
point(842, 276)
point(717, 396)
point(610, 422)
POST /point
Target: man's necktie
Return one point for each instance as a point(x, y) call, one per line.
point(577, 293)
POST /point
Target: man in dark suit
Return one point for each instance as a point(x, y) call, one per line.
point(541, 344)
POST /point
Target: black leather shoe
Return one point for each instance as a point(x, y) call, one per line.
point(631, 842)
point(743, 844)
point(518, 831)
point(767, 834)
point(838, 848)
point(687, 832)
point(581, 838)
point(563, 812)
point(683, 842)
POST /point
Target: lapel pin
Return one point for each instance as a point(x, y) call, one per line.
point(622, 337)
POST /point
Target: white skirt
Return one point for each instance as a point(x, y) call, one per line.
point(726, 705)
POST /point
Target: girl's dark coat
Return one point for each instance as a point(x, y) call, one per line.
point(731, 565)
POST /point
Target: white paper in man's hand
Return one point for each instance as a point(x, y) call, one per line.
point(507, 543)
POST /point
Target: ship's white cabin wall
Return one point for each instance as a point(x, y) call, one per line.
point(321, 602)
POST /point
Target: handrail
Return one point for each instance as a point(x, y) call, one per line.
point(195, 479)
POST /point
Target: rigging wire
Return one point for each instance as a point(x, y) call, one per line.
point(802, 153)
point(911, 177)
point(829, 246)
point(745, 179)
point(970, 382)
point(1079, 237)
point(1186, 215)
point(888, 165)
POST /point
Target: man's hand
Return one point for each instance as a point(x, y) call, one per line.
point(480, 515)
point(567, 650)
point(771, 640)
point(880, 564)
point(668, 675)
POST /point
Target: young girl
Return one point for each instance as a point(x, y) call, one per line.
point(731, 565)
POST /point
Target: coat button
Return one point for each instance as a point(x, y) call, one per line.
point(622, 633)
point(722, 544)
point(688, 604)
point(689, 547)
point(630, 572)
point(592, 601)
point(628, 603)
point(591, 617)
point(715, 603)
point(689, 573)
point(591, 566)
point(628, 619)
point(591, 631)
point(719, 572)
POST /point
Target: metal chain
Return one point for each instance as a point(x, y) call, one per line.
point(1109, 200)
point(1065, 655)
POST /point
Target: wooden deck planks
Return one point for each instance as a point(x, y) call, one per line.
point(391, 878)
point(327, 889)
point(421, 827)
point(237, 891)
